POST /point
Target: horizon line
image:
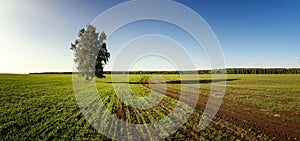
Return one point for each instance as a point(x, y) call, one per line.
point(69, 72)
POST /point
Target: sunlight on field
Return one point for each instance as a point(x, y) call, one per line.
point(44, 106)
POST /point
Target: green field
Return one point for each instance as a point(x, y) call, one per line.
point(44, 107)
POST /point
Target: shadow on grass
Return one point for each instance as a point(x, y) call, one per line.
point(180, 81)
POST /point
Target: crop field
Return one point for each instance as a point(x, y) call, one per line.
point(255, 107)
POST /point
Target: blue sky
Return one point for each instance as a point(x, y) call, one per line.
point(35, 35)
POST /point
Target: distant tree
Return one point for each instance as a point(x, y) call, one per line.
point(90, 52)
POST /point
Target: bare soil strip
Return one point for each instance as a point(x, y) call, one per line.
point(278, 129)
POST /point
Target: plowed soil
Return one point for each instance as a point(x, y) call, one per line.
point(277, 129)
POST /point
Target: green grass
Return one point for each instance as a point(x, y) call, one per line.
point(259, 93)
point(44, 106)
point(41, 107)
point(267, 95)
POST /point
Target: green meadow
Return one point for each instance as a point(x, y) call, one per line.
point(44, 107)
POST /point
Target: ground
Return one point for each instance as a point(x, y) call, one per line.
point(255, 107)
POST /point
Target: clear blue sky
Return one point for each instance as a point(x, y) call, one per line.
point(35, 35)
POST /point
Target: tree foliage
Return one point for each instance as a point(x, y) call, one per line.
point(228, 71)
point(90, 52)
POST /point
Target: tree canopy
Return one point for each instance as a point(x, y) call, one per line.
point(90, 52)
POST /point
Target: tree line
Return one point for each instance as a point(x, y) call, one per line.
point(263, 71)
point(228, 71)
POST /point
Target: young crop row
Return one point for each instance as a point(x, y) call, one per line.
point(45, 107)
point(217, 130)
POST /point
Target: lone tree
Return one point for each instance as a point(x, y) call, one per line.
point(90, 52)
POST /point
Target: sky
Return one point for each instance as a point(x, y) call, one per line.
point(36, 34)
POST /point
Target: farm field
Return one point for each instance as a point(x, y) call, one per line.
point(255, 107)
point(268, 103)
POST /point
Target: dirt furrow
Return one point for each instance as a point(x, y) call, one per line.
point(280, 130)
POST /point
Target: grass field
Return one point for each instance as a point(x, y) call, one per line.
point(271, 94)
point(44, 107)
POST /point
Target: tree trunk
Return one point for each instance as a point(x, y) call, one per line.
point(87, 76)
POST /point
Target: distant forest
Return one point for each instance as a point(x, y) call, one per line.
point(263, 71)
point(228, 71)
